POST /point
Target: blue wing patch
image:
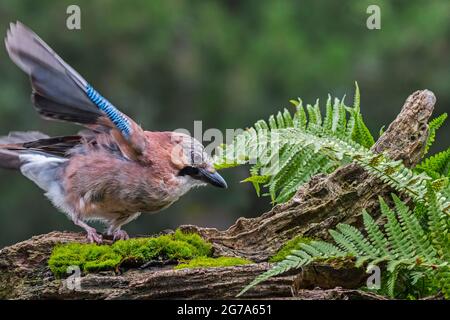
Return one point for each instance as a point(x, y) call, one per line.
point(117, 117)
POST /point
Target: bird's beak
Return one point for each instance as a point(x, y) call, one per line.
point(212, 178)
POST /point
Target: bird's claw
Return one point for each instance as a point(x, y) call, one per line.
point(94, 237)
point(120, 235)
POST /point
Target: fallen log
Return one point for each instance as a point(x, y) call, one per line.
point(319, 205)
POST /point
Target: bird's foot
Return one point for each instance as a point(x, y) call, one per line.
point(120, 234)
point(93, 236)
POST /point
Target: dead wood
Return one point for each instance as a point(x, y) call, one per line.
point(318, 206)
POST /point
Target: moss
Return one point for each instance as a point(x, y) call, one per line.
point(92, 257)
point(203, 247)
point(206, 262)
point(136, 249)
point(290, 245)
point(89, 257)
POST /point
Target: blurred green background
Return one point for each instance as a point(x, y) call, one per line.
point(227, 63)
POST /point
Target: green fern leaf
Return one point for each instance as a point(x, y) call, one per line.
point(416, 253)
point(375, 235)
point(433, 126)
point(436, 165)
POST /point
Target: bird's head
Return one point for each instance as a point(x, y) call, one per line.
point(191, 163)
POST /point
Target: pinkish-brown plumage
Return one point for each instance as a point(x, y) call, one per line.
point(112, 171)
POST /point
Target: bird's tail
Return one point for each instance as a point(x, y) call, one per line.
point(59, 92)
point(9, 159)
point(28, 152)
point(9, 147)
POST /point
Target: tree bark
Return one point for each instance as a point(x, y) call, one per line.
point(24, 274)
point(319, 205)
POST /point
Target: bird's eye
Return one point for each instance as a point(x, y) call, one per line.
point(196, 158)
point(188, 170)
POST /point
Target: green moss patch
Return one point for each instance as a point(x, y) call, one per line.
point(92, 257)
point(206, 262)
point(286, 249)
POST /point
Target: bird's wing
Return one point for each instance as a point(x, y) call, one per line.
point(61, 93)
point(18, 142)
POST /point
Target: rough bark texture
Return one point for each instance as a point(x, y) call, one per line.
point(318, 206)
point(24, 274)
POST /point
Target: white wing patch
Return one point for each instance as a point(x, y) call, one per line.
point(45, 172)
point(41, 169)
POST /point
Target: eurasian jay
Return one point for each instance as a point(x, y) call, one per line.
point(113, 170)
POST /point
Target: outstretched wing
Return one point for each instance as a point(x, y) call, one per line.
point(61, 93)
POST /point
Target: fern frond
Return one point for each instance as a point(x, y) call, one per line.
point(391, 282)
point(361, 133)
point(335, 151)
point(357, 98)
point(411, 226)
point(287, 160)
point(300, 119)
point(298, 258)
point(290, 262)
point(437, 165)
point(443, 277)
point(353, 235)
point(301, 173)
point(256, 180)
point(401, 244)
point(406, 247)
point(433, 126)
point(438, 224)
point(401, 178)
point(376, 237)
point(328, 121)
point(327, 249)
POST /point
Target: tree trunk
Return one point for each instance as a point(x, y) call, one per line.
point(319, 205)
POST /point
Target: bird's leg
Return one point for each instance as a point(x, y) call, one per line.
point(120, 234)
point(115, 225)
point(92, 234)
point(117, 233)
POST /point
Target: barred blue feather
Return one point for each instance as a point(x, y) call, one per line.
point(117, 117)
